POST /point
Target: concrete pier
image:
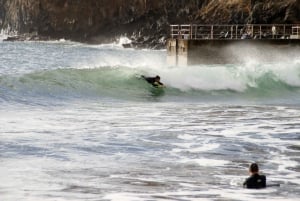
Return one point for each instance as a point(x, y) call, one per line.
point(225, 44)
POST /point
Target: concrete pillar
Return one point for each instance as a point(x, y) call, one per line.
point(182, 52)
point(172, 52)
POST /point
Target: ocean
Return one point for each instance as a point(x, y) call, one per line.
point(77, 122)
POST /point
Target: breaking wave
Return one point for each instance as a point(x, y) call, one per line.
point(199, 83)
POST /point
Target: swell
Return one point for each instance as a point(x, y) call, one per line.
point(122, 83)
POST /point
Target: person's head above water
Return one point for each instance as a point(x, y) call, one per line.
point(253, 168)
point(255, 180)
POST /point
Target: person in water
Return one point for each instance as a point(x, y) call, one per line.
point(255, 181)
point(155, 81)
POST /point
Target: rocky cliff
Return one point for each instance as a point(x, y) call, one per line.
point(144, 21)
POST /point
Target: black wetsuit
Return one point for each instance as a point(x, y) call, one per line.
point(152, 80)
point(256, 181)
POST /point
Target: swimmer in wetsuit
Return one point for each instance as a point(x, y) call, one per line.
point(255, 181)
point(155, 81)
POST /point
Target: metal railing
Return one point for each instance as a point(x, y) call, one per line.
point(229, 32)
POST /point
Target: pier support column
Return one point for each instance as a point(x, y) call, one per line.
point(182, 52)
point(177, 52)
point(172, 53)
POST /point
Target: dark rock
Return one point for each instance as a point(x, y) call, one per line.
point(127, 45)
point(12, 38)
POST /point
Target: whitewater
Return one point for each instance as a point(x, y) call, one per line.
point(77, 122)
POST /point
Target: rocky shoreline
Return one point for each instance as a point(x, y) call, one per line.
point(145, 22)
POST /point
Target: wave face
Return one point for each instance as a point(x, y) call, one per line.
point(261, 83)
point(104, 82)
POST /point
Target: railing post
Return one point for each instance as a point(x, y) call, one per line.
point(212, 32)
point(260, 32)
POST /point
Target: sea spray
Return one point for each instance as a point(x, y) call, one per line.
point(3, 35)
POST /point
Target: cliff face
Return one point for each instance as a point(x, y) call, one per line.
point(96, 20)
point(145, 21)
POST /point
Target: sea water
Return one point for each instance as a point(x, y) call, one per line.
point(78, 123)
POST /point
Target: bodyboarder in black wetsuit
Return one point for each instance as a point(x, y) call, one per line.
point(155, 81)
point(255, 181)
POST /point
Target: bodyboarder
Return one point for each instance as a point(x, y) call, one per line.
point(155, 81)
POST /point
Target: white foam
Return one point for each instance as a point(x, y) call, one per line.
point(183, 195)
point(192, 148)
point(206, 162)
point(203, 148)
point(184, 145)
point(187, 137)
point(3, 35)
point(202, 78)
point(123, 40)
point(220, 77)
point(288, 74)
point(121, 196)
point(116, 45)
